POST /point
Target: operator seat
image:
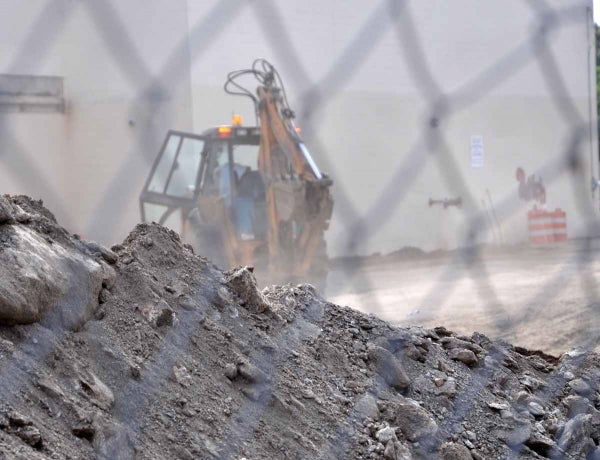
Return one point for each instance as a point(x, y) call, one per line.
point(251, 190)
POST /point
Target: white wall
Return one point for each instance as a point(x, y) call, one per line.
point(370, 120)
point(89, 163)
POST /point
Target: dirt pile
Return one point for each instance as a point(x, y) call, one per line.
point(148, 351)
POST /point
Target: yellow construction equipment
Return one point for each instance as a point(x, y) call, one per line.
point(246, 195)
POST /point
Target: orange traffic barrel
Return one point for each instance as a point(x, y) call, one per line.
point(559, 225)
point(547, 226)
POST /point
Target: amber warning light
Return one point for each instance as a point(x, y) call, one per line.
point(237, 120)
point(224, 131)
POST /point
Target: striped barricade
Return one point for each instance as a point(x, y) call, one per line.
point(547, 226)
point(559, 224)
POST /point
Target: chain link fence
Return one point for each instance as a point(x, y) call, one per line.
point(442, 106)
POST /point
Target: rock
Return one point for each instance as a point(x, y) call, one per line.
point(394, 450)
point(31, 435)
point(7, 348)
point(187, 303)
point(471, 436)
point(307, 393)
point(366, 407)
point(159, 314)
point(252, 393)
point(522, 398)
point(517, 436)
point(127, 259)
point(580, 387)
point(465, 356)
point(109, 275)
point(165, 317)
point(21, 216)
point(51, 388)
point(178, 288)
point(182, 376)
point(17, 419)
point(6, 211)
point(104, 296)
point(231, 371)
point(441, 331)
point(96, 390)
point(146, 241)
point(416, 353)
point(84, 429)
point(36, 277)
point(490, 362)
point(99, 250)
point(251, 373)
point(476, 455)
point(541, 444)
point(536, 409)
point(498, 406)
point(452, 343)
point(242, 282)
point(454, 451)
point(414, 421)
point(442, 366)
point(135, 371)
point(113, 442)
point(531, 382)
point(332, 353)
point(448, 388)
point(388, 367)
point(575, 437)
point(439, 381)
point(576, 405)
point(386, 434)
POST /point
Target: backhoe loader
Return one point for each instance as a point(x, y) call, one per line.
point(246, 195)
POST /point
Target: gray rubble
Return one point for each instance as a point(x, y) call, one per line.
point(147, 351)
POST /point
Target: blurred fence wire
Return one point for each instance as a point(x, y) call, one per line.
point(442, 106)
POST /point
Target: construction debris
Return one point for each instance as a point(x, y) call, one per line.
point(148, 351)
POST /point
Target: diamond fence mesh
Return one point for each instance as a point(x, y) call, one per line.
point(442, 106)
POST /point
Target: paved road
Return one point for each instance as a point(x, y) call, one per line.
point(543, 298)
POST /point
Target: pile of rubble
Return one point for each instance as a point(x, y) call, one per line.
point(148, 351)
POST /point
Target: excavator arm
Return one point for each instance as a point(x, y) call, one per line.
point(297, 192)
point(276, 122)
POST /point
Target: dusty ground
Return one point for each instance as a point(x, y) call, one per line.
point(544, 298)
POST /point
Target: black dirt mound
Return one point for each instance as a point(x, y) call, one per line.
point(148, 351)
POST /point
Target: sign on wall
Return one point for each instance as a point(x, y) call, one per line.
point(31, 93)
point(477, 151)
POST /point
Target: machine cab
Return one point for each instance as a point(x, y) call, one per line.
point(173, 180)
point(219, 165)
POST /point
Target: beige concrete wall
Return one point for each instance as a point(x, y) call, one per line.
point(89, 163)
point(374, 153)
point(368, 120)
